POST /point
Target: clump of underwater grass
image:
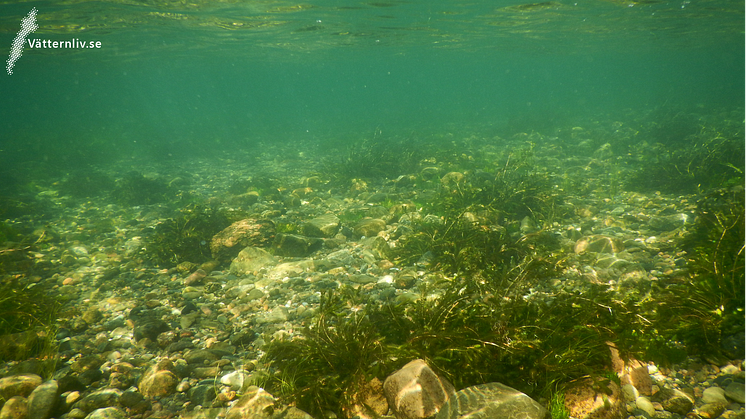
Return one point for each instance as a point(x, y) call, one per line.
point(708, 302)
point(707, 160)
point(136, 189)
point(186, 237)
point(86, 183)
point(28, 313)
point(471, 329)
point(377, 158)
point(322, 370)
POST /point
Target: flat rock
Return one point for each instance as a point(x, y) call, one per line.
point(251, 259)
point(254, 404)
point(326, 225)
point(99, 399)
point(714, 395)
point(735, 392)
point(295, 245)
point(675, 401)
point(492, 400)
point(369, 227)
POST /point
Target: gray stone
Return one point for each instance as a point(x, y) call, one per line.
point(130, 398)
point(254, 404)
point(492, 400)
point(235, 379)
point(714, 395)
point(326, 225)
point(277, 315)
point(203, 394)
point(369, 227)
point(18, 385)
point(42, 400)
point(106, 413)
point(645, 405)
point(201, 357)
point(735, 392)
point(99, 399)
point(295, 245)
point(416, 392)
point(251, 259)
point(676, 401)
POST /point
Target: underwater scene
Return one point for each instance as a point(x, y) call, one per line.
point(399, 209)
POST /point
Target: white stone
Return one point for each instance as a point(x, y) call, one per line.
point(235, 379)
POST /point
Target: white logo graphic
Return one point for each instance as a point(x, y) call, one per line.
point(28, 25)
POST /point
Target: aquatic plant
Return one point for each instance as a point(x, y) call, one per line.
point(28, 315)
point(709, 159)
point(470, 329)
point(185, 237)
point(86, 183)
point(377, 158)
point(708, 302)
point(556, 408)
point(136, 189)
point(322, 370)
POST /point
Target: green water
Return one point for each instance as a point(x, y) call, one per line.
point(183, 78)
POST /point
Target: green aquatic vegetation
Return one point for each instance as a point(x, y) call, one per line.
point(322, 370)
point(377, 158)
point(286, 228)
point(185, 237)
point(135, 189)
point(7, 232)
point(86, 183)
point(557, 409)
point(708, 302)
point(469, 329)
point(28, 313)
point(710, 159)
point(459, 245)
point(515, 189)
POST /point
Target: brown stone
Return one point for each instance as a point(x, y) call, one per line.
point(254, 404)
point(599, 244)
point(195, 277)
point(249, 232)
point(416, 392)
point(595, 399)
point(15, 408)
point(369, 227)
point(368, 401)
point(158, 381)
point(18, 385)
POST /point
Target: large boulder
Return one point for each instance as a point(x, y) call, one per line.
point(248, 232)
point(492, 400)
point(416, 391)
point(326, 225)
